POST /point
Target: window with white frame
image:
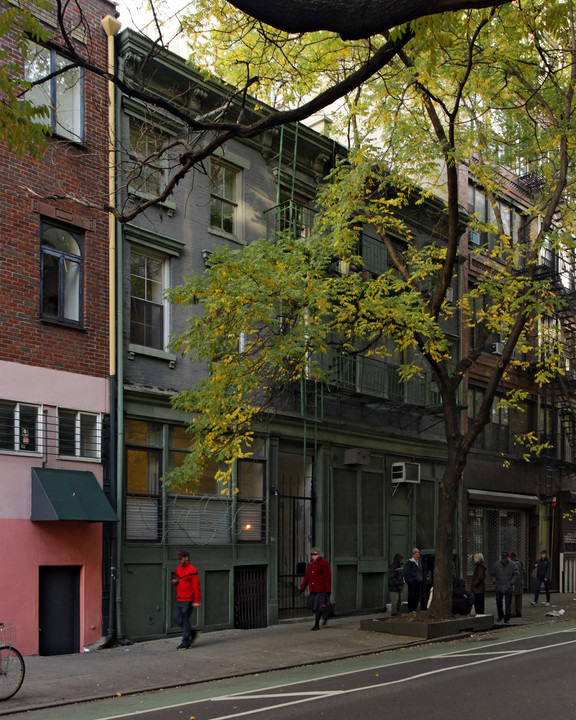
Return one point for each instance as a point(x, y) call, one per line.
point(79, 434)
point(62, 93)
point(20, 427)
point(224, 189)
point(147, 173)
point(61, 296)
point(147, 302)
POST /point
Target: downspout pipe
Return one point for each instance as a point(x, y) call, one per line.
point(111, 27)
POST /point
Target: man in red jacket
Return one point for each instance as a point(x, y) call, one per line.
point(185, 579)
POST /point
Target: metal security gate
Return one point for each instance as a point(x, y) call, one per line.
point(491, 531)
point(250, 597)
point(295, 514)
point(568, 572)
point(295, 531)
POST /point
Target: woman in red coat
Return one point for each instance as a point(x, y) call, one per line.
point(318, 579)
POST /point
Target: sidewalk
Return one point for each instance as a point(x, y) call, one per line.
point(65, 679)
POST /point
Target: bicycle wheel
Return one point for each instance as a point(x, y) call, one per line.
point(11, 671)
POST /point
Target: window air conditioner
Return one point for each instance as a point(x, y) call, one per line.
point(405, 472)
point(450, 294)
point(497, 348)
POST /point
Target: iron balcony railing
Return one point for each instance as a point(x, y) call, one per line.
point(379, 379)
point(289, 218)
point(297, 221)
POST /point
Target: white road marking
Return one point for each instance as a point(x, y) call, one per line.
point(305, 696)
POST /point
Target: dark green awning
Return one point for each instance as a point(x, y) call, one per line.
point(69, 495)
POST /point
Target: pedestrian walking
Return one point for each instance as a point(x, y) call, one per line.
point(543, 573)
point(396, 584)
point(518, 587)
point(414, 577)
point(185, 580)
point(318, 579)
point(479, 583)
point(505, 574)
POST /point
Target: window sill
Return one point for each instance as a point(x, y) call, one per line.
point(62, 323)
point(22, 453)
point(139, 196)
point(134, 350)
point(75, 141)
point(226, 236)
point(72, 458)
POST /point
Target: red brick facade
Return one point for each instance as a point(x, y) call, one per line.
point(69, 185)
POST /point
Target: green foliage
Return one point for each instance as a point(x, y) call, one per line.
point(289, 67)
point(490, 90)
point(251, 331)
point(19, 126)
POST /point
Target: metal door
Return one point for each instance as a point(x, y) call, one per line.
point(250, 600)
point(398, 536)
point(59, 610)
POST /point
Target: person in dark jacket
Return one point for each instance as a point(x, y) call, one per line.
point(518, 587)
point(318, 579)
point(414, 577)
point(395, 584)
point(543, 573)
point(479, 583)
point(462, 599)
point(505, 574)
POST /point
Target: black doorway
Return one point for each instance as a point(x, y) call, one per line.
point(59, 610)
point(295, 530)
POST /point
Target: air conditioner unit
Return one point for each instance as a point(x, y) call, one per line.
point(450, 294)
point(405, 472)
point(497, 348)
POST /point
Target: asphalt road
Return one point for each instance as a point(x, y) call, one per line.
point(525, 676)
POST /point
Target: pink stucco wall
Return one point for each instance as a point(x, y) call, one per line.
point(25, 547)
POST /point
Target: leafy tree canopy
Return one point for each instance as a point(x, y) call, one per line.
point(491, 90)
point(486, 90)
point(19, 126)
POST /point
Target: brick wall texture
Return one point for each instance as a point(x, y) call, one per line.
point(69, 184)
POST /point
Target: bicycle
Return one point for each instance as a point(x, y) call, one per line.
point(12, 666)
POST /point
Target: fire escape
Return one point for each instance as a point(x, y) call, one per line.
point(560, 275)
point(367, 379)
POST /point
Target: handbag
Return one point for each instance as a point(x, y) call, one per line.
point(328, 610)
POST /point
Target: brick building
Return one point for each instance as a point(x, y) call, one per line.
point(54, 349)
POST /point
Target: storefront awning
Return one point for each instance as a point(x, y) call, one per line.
point(501, 499)
point(69, 495)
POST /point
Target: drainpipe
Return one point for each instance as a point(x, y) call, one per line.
point(111, 26)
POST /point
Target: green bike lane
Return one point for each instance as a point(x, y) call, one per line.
point(269, 691)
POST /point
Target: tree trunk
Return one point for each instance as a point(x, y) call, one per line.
point(441, 605)
point(351, 19)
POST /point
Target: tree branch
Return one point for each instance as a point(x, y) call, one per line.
point(351, 20)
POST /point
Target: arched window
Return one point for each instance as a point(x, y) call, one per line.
point(62, 271)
